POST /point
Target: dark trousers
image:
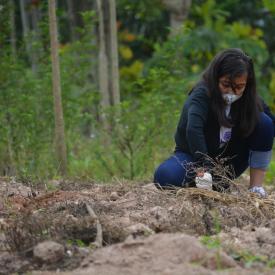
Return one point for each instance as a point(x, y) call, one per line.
point(174, 170)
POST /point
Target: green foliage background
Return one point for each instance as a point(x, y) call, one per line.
point(157, 71)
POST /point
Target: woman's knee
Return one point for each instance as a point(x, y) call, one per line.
point(172, 172)
point(166, 176)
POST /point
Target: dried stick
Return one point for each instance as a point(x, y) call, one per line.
point(98, 239)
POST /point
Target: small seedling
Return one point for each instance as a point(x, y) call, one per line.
point(211, 242)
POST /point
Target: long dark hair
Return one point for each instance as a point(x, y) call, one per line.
point(245, 111)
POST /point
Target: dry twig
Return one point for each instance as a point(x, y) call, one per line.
point(98, 240)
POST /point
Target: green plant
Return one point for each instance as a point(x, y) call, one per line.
point(270, 175)
point(77, 242)
point(211, 242)
point(249, 259)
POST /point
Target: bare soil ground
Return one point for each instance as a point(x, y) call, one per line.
point(135, 228)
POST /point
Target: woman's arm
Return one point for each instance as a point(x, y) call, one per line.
point(196, 121)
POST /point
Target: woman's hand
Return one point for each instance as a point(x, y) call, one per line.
point(200, 172)
point(203, 180)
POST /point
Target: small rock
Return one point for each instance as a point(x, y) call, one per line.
point(114, 196)
point(69, 253)
point(264, 235)
point(20, 190)
point(49, 252)
point(83, 251)
point(69, 218)
point(159, 218)
point(139, 229)
point(219, 260)
point(150, 187)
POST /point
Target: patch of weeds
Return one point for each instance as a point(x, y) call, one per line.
point(270, 175)
point(80, 243)
point(211, 242)
point(92, 246)
point(77, 242)
point(249, 260)
point(51, 187)
point(217, 223)
point(271, 263)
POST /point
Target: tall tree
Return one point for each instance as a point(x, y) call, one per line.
point(108, 53)
point(26, 30)
point(35, 38)
point(72, 20)
point(13, 31)
point(103, 62)
point(113, 47)
point(58, 111)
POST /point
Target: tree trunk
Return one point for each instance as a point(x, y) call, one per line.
point(72, 21)
point(114, 68)
point(26, 30)
point(36, 50)
point(178, 12)
point(108, 53)
point(103, 63)
point(59, 121)
point(13, 31)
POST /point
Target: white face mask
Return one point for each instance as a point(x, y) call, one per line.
point(230, 98)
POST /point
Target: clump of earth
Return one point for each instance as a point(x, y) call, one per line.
point(134, 228)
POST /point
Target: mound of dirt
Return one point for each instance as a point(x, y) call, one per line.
point(140, 227)
point(159, 254)
point(256, 241)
